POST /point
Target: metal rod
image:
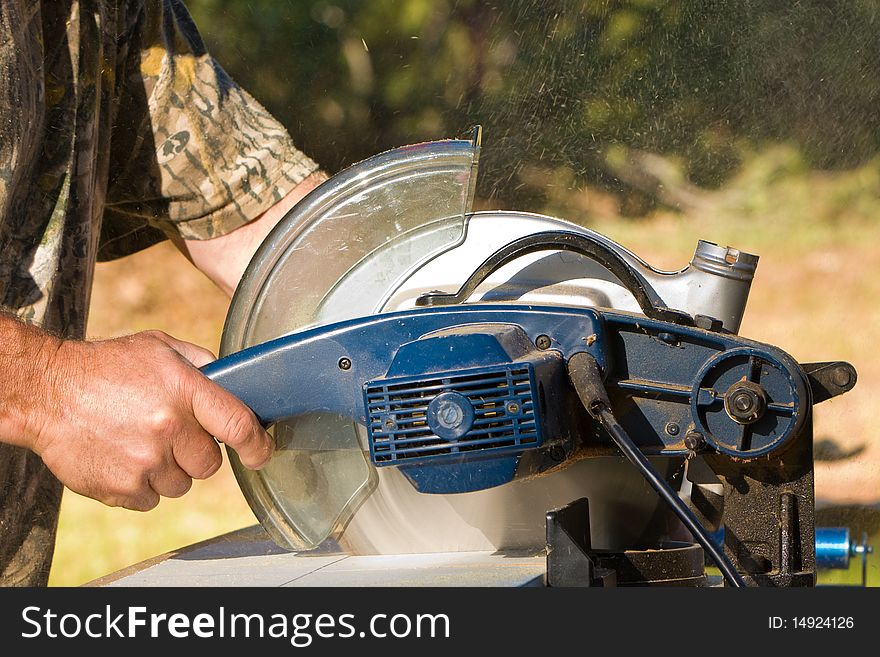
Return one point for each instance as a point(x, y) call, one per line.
point(787, 528)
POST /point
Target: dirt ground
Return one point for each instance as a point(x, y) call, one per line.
point(814, 296)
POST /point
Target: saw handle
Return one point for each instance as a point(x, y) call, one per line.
point(586, 245)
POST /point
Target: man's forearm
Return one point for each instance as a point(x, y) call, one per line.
point(26, 376)
point(224, 259)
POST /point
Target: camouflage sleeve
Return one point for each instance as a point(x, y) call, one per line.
point(192, 154)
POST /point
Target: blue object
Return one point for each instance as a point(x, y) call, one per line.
point(411, 421)
point(450, 415)
point(467, 397)
point(301, 373)
point(463, 417)
point(833, 547)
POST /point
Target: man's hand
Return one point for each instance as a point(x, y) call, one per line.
point(128, 420)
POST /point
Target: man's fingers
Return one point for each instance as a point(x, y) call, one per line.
point(220, 413)
point(195, 354)
point(171, 481)
point(224, 416)
point(146, 501)
point(197, 453)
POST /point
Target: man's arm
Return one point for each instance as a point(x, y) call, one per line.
point(122, 421)
point(224, 259)
point(128, 420)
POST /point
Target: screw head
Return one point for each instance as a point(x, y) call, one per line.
point(543, 342)
point(841, 377)
point(672, 429)
point(344, 364)
point(667, 338)
point(450, 415)
point(512, 408)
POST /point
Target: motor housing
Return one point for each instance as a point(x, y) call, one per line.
point(458, 409)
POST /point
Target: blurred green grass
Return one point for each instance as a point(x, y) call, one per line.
point(818, 235)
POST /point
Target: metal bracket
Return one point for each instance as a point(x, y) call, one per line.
point(572, 562)
point(769, 526)
point(830, 379)
point(568, 549)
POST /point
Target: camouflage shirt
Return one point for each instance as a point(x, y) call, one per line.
point(117, 129)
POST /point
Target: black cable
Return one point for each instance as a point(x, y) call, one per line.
point(626, 445)
point(584, 373)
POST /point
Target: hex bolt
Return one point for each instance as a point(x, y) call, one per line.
point(707, 323)
point(693, 441)
point(672, 428)
point(344, 364)
point(745, 402)
point(543, 342)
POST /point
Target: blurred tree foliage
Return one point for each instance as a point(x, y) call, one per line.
point(640, 98)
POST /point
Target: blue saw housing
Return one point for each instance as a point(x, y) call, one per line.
point(462, 398)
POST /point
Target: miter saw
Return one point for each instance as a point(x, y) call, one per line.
point(441, 380)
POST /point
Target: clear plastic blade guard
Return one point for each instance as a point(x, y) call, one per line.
point(411, 200)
